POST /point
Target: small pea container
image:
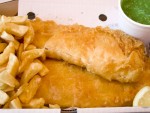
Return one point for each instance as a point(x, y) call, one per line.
point(133, 28)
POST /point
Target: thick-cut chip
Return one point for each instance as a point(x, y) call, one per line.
point(8, 79)
point(32, 70)
point(21, 89)
point(14, 19)
point(11, 94)
point(44, 71)
point(17, 30)
point(5, 55)
point(9, 38)
point(35, 103)
point(43, 57)
point(13, 65)
point(28, 57)
point(28, 38)
point(3, 97)
point(34, 53)
point(20, 50)
point(53, 106)
point(30, 47)
point(14, 94)
point(2, 47)
point(5, 87)
point(8, 89)
point(31, 90)
point(3, 67)
point(15, 104)
point(25, 64)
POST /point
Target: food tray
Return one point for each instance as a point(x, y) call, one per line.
point(85, 12)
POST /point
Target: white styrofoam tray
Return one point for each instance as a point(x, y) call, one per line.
point(82, 110)
point(85, 12)
point(4, 1)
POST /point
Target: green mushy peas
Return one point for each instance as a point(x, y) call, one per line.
point(137, 10)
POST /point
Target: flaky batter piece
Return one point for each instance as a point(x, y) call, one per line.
point(108, 53)
point(71, 86)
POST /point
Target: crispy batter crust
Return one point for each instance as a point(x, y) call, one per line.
point(71, 86)
point(108, 53)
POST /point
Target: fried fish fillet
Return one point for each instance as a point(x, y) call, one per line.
point(110, 54)
point(69, 85)
point(72, 86)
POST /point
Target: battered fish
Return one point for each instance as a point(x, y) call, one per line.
point(71, 86)
point(110, 54)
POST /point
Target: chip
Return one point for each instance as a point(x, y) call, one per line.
point(3, 67)
point(20, 65)
point(35, 103)
point(17, 30)
point(54, 106)
point(28, 56)
point(34, 53)
point(30, 47)
point(31, 90)
point(6, 88)
point(13, 65)
point(3, 85)
point(8, 79)
point(25, 64)
point(44, 71)
point(5, 55)
point(20, 50)
point(28, 38)
point(43, 57)
point(13, 95)
point(15, 104)
point(14, 19)
point(9, 38)
point(32, 70)
point(3, 97)
point(2, 47)
point(21, 89)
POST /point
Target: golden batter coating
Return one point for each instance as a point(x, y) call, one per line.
point(71, 86)
point(108, 53)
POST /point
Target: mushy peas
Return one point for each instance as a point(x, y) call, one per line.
point(137, 10)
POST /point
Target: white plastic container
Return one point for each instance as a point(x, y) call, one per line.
point(133, 28)
point(50, 9)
